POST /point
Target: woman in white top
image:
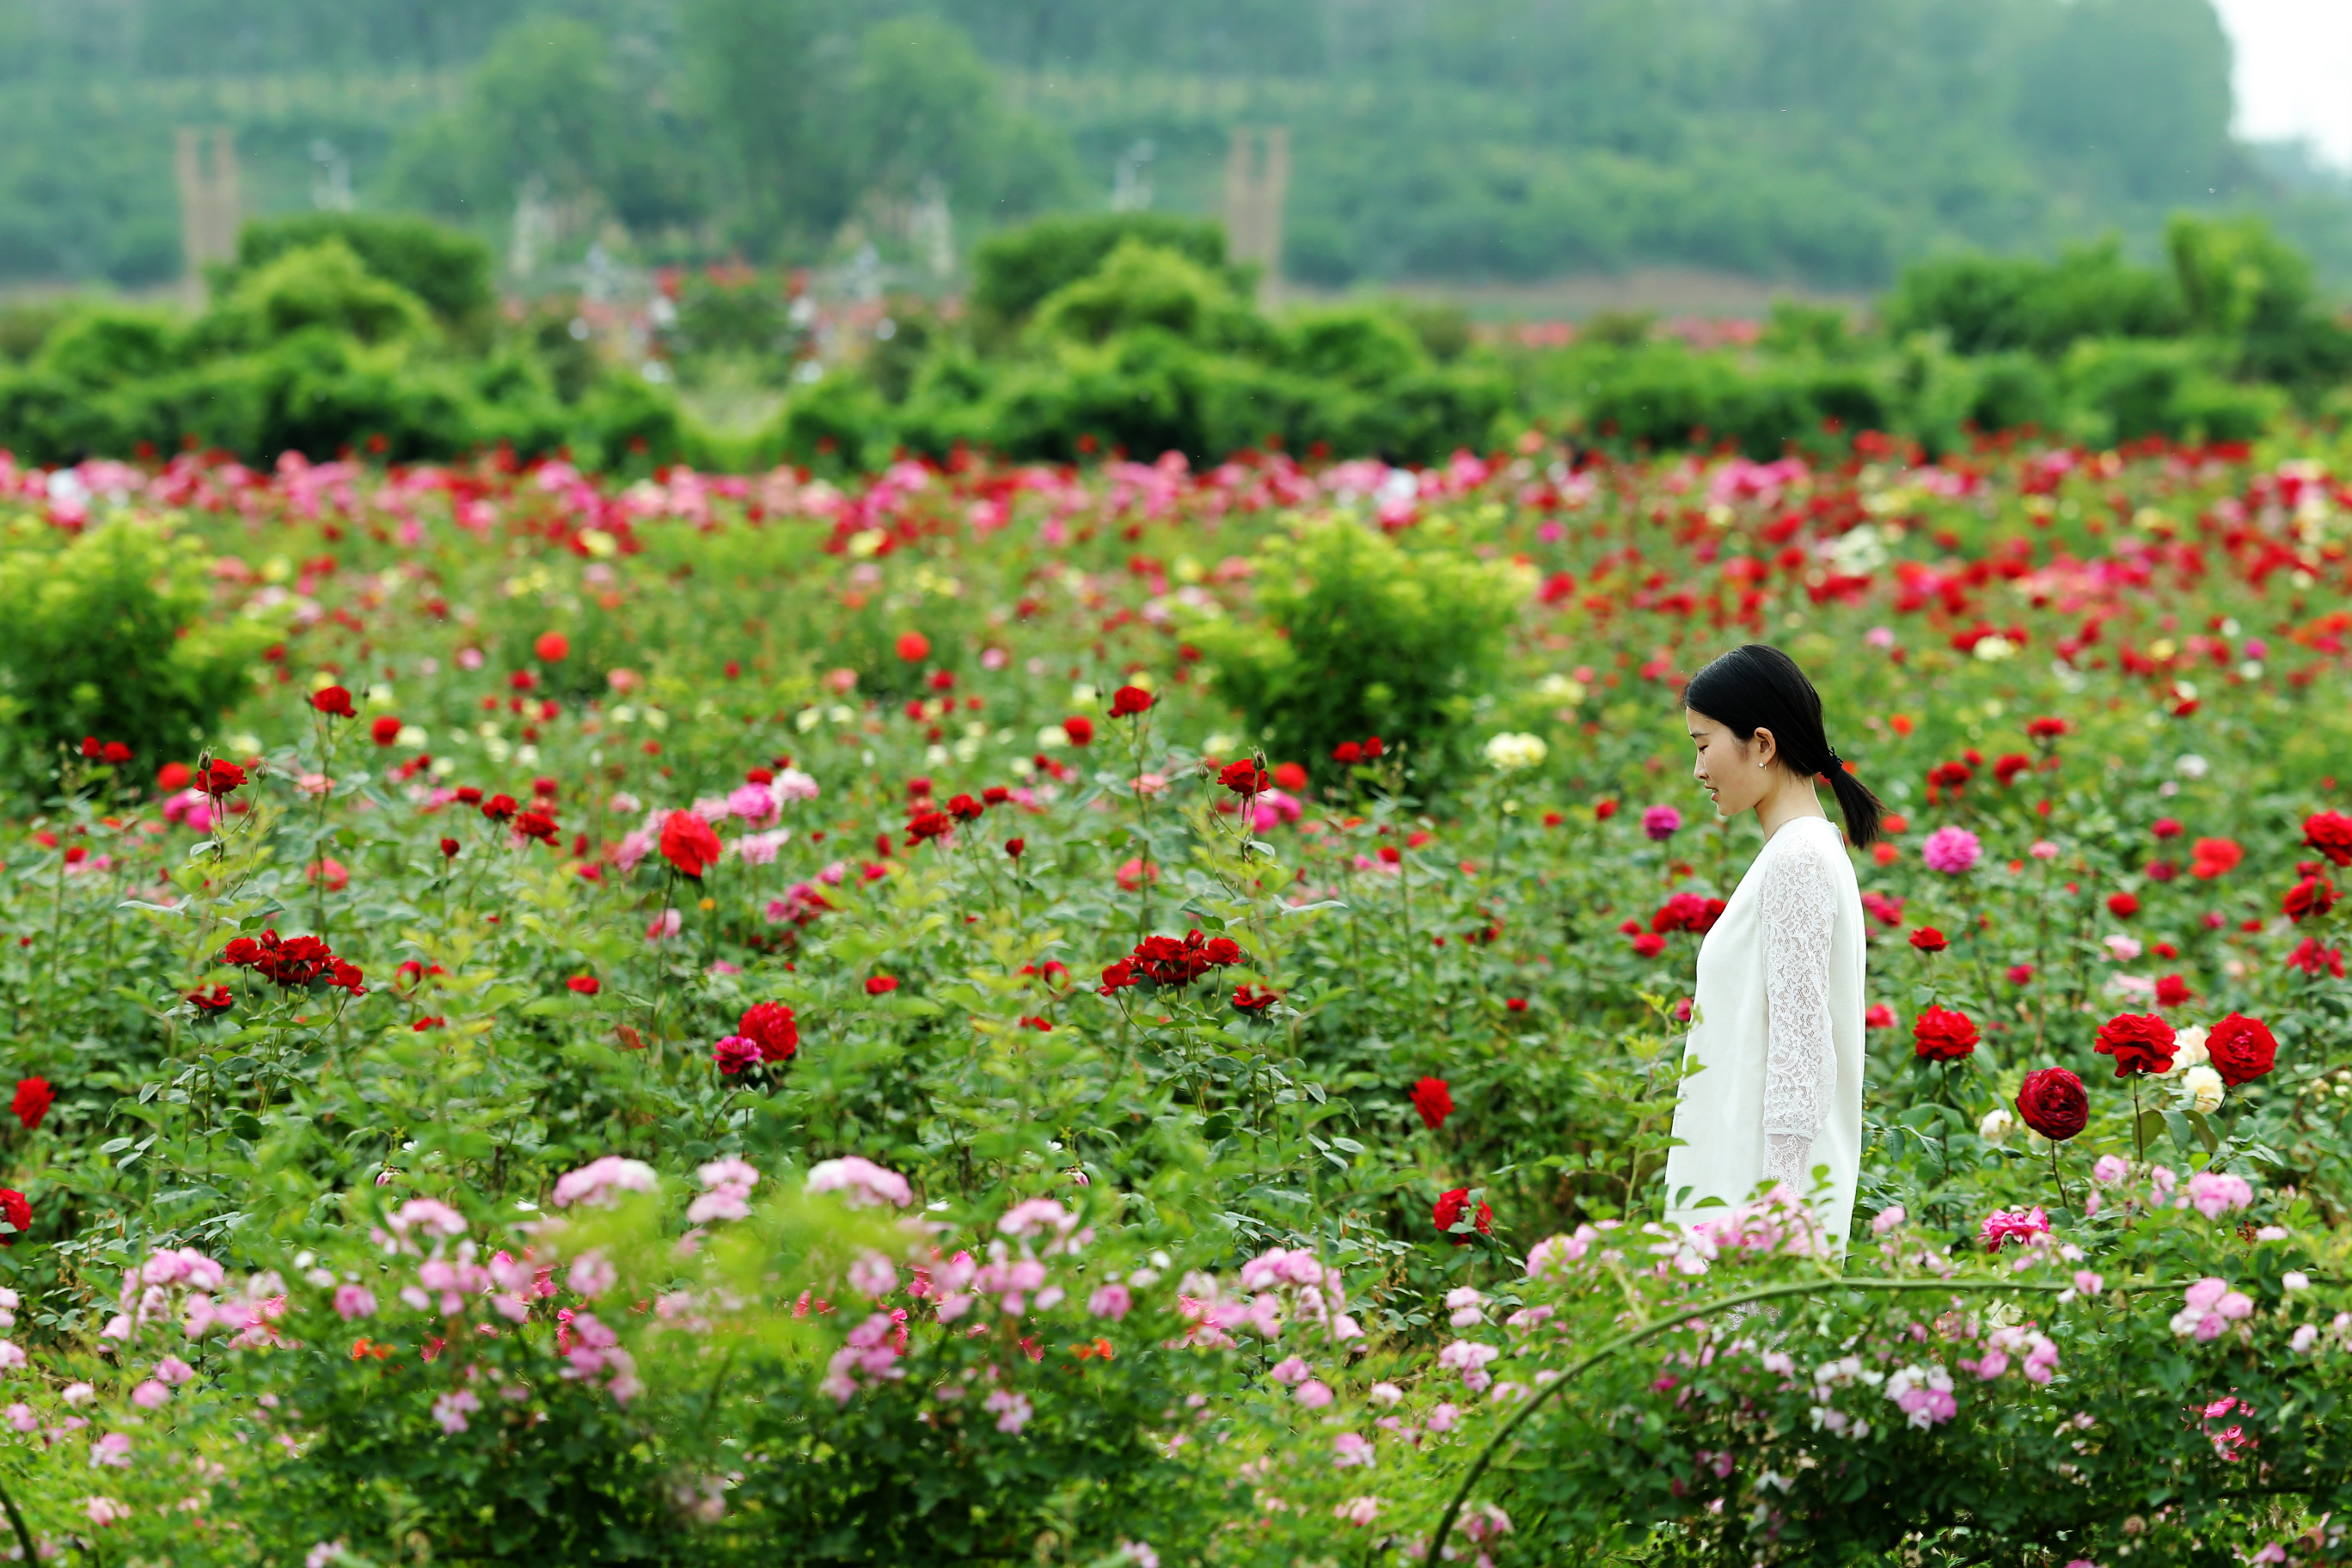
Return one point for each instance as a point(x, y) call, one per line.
point(1776, 1024)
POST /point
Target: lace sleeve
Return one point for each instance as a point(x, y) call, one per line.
point(1798, 906)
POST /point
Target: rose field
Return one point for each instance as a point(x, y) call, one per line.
point(1131, 1015)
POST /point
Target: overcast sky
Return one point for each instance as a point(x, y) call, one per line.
point(2294, 71)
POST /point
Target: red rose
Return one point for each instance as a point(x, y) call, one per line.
point(449, 848)
point(334, 701)
point(1604, 810)
point(914, 646)
point(217, 778)
point(1245, 777)
point(1118, 976)
point(2330, 833)
point(734, 1053)
point(1448, 1214)
point(584, 985)
point(499, 807)
point(172, 777)
point(2172, 990)
point(1013, 847)
point(1649, 945)
point(1941, 1035)
point(384, 730)
point(770, 1026)
point(2210, 858)
point(2053, 1103)
point(1079, 732)
point(1290, 776)
point(1928, 939)
point(2166, 828)
point(2314, 960)
point(1129, 700)
point(2315, 895)
point(2021, 973)
point(2243, 1049)
point(964, 808)
point(552, 648)
point(2123, 906)
point(1254, 1000)
point(536, 825)
point(1221, 950)
point(1346, 753)
point(2140, 1043)
point(880, 984)
point(688, 843)
point(18, 1211)
point(34, 1098)
point(1688, 911)
point(928, 825)
point(1880, 1016)
point(1435, 1101)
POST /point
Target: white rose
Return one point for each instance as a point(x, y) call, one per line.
point(2203, 1087)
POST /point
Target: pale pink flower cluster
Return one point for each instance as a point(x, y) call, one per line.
point(1011, 1410)
point(760, 848)
point(429, 1216)
point(1469, 1357)
point(1923, 1394)
point(591, 1347)
point(726, 1190)
point(1828, 1378)
point(191, 808)
point(800, 903)
point(2031, 1227)
point(860, 1182)
point(2214, 1193)
point(600, 1183)
point(872, 1352)
point(2038, 1351)
point(2209, 1309)
point(1558, 1251)
point(1317, 1295)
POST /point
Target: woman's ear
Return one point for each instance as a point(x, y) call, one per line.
point(1763, 747)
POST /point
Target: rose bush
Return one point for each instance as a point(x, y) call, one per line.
point(715, 907)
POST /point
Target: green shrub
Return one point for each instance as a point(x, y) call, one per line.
point(623, 423)
point(1358, 346)
point(1666, 396)
point(2121, 390)
point(1015, 272)
point(1987, 304)
point(109, 636)
point(1358, 636)
point(323, 285)
point(1140, 285)
point(107, 345)
point(450, 272)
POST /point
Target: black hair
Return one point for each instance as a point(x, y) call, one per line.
point(1760, 688)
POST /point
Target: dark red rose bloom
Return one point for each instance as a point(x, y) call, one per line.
point(2166, 828)
point(467, 794)
point(1649, 945)
point(449, 847)
point(688, 843)
point(2140, 1043)
point(2009, 765)
point(536, 825)
point(2243, 1049)
point(881, 984)
point(1221, 950)
point(34, 1098)
point(1118, 976)
point(2315, 895)
point(1014, 846)
point(1941, 1035)
point(241, 950)
point(1688, 911)
point(291, 961)
point(2330, 833)
point(926, 825)
point(2045, 729)
point(2314, 960)
point(384, 730)
point(964, 808)
point(1127, 701)
point(2123, 906)
point(1081, 731)
point(114, 753)
point(334, 701)
point(770, 1026)
point(919, 787)
point(1346, 753)
point(1372, 748)
point(1254, 1000)
point(584, 985)
point(1928, 939)
point(217, 778)
point(995, 795)
point(1245, 777)
point(18, 1211)
point(2053, 1103)
point(1448, 1214)
point(2172, 990)
point(2020, 974)
point(1434, 1097)
point(499, 808)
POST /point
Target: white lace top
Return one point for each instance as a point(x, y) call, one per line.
point(1777, 1033)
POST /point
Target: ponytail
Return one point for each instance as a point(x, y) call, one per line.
point(1760, 688)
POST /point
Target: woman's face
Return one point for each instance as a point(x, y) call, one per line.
point(1735, 773)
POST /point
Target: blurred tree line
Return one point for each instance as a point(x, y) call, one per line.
point(1820, 140)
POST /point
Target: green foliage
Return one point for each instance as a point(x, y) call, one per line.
point(1358, 636)
point(450, 272)
point(111, 636)
point(323, 285)
point(2120, 390)
point(1015, 272)
point(1664, 396)
point(1988, 304)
